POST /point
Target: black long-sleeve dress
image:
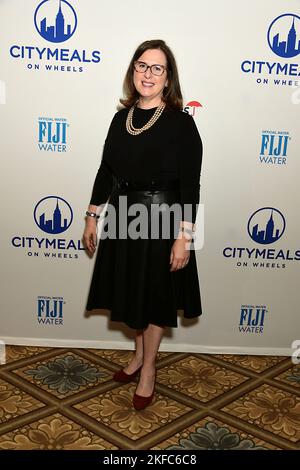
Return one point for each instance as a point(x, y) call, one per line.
point(132, 278)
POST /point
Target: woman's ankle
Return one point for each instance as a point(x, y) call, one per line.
point(133, 365)
point(149, 368)
point(137, 358)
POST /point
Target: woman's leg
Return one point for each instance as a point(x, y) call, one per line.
point(137, 359)
point(152, 336)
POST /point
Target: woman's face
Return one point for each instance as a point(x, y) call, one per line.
point(149, 86)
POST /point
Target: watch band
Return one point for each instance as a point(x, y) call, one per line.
point(187, 230)
point(92, 214)
point(183, 231)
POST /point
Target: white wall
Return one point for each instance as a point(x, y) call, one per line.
point(210, 41)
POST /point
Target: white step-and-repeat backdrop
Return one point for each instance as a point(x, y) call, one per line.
point(62, 69)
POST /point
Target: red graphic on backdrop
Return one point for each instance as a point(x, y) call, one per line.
point(191, 106)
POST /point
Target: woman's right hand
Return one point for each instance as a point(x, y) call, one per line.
point(90, 235)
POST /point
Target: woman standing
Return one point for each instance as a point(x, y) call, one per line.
point(152, 155)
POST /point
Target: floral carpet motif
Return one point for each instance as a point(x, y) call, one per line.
point(54, 398)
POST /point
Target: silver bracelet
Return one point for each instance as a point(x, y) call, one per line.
point(190, 232)
point(92, 214)
point(187, 230)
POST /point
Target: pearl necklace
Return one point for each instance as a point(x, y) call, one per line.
point(133, 130)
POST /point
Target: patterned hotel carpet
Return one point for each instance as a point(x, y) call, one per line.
point(53, 398)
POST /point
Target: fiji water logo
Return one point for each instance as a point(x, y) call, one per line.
point(274, 147)
point(191, 107)
point(53, 214)
point(266, 225)
point(252, 319)
point(52, 134)
point(284, 35)
point(50, 310)
point(55, 20)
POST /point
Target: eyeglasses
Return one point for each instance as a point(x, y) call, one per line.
point(155, 69)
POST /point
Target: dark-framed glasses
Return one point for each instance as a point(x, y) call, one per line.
point(155, 69)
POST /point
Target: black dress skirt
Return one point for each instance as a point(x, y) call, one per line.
point(132, 277)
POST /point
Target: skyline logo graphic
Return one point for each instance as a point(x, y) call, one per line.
point(53, 214)
point(266, 225)
point(284, 35)
point(55, 20)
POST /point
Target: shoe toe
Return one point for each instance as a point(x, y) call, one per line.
point(140, 402)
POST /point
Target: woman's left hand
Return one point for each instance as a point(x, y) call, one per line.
point(180, 254)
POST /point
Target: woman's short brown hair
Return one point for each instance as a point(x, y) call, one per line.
point(172, 93)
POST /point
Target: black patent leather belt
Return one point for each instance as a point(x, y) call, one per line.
point(151, 185)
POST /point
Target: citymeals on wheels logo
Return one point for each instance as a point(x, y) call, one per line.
point(55, 22)
point(283, 38)
point(265, 226)
point(52, 215)
point(50, 310)
point(52, 134)
point(252, 319)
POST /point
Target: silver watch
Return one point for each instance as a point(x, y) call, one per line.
point(92, 214)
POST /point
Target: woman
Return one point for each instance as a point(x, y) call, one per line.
point(152, 155)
